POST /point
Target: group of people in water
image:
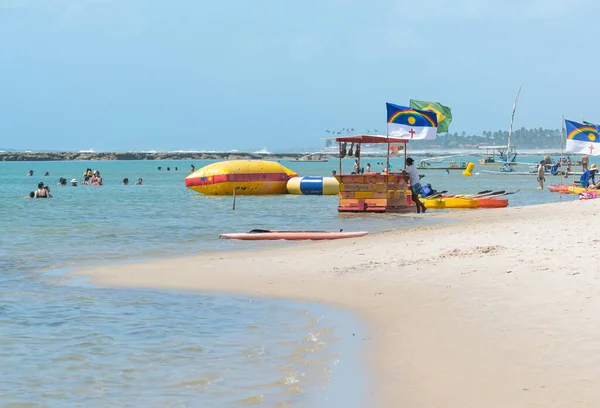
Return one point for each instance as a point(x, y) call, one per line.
point(93, 178)
point(89, 177)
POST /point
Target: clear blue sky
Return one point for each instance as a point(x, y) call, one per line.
point(246, 74)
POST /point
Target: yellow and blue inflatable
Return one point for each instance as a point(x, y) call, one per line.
point(313, 186)
point(247, 177)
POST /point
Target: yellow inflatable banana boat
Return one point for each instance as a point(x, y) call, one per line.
point(247, 177)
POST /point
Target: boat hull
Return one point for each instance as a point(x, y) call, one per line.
point(441, 168)
point(246, 177)
point(499, 164)
point(293, 235)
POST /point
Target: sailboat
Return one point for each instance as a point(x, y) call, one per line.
point(507, 154)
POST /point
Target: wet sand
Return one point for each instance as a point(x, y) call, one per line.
point(497, 310)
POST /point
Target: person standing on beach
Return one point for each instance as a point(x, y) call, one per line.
point(588, 178)
point(584, 163)
point(415, 184)
point(540, 175)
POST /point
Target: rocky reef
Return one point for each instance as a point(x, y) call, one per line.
point(70, 156)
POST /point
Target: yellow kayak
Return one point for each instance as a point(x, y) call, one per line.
point(450, 202)
point(458, 202)
point(578, 190)
point(434, 203)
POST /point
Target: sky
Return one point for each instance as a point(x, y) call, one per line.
point(251, 74)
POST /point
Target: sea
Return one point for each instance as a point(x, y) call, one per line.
point(66, 342)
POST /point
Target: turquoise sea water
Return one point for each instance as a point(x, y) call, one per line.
point(67, 343)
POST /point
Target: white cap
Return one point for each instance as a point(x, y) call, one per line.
point(74, 181)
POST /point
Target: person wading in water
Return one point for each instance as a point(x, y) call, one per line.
point(41, 192)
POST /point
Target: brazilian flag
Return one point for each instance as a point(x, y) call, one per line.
point(443, 113)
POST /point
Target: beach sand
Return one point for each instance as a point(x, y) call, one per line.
point(496, 310)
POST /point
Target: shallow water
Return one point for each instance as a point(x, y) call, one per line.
point(67, 343)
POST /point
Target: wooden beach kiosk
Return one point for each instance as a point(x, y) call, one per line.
point(371, 192)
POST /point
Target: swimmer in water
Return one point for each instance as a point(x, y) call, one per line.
point(125, 181)
point(41, 192)
point(31, 195)
point(139, 182)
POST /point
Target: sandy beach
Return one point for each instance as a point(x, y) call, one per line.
point(497, 309)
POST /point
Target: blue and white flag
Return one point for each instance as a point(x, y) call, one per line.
point(582, 139)
point(411, 124)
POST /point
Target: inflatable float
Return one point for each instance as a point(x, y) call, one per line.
point(247, 177)
point(256, 235)
point(313, 186)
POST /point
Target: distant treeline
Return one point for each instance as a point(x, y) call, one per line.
point(521, 138)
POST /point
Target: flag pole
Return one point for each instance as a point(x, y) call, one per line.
point(562, 153)
point(387, 162)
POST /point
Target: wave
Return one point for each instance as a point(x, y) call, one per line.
point(263, 151)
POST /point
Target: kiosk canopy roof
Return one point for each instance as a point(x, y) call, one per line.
point(368, 139)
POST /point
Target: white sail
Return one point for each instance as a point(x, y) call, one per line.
point(511, 122)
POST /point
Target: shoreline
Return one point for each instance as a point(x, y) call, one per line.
point(20, 156)
point(494, 311)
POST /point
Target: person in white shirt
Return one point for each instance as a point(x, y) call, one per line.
point(415, 184)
